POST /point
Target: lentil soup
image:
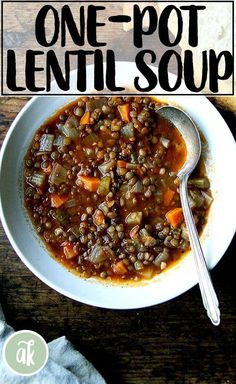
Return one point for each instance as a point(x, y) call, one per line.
point(101, 188)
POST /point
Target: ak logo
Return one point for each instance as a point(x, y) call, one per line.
point(25, 353)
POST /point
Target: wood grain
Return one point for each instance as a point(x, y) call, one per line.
point(172, 343)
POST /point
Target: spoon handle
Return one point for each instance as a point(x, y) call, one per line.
point(208, 294)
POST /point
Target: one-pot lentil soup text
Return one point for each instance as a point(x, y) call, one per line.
point(102, 192)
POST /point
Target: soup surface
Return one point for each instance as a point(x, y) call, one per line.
point(102, 192)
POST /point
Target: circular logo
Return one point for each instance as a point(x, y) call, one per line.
point(25, 353)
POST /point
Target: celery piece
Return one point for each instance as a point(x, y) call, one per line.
point(75, 230)
point(107, 166)
point(104, 186)
point(46, 143)
point(128, 130)
point(58, 175)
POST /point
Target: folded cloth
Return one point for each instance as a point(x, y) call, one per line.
point(65, 365)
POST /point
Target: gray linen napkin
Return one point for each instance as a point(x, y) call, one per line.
point(65, 365)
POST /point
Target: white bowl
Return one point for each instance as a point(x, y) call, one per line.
point(217, 234)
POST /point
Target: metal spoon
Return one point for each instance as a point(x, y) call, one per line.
point(191, 136)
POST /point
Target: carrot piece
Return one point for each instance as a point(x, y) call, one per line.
point(124, 110)
point(119, 268)
point(48, 170)
point(90, 183)
point(175, 217)
point(57, 201)
point(168, 197)
point(69, 251)
point(85, 119)
point(121, 164)
point(98, 217)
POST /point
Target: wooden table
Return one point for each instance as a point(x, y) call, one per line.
point(170, 343)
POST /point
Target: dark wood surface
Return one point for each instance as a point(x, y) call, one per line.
point(170, 343)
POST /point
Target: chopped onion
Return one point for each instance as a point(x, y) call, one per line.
point(134, 218)
point(96, 103)
point(191, 201)
point(165, 142)
point(104, 186)
point(58, 142)
point(197, 197)
point(208, 199)
point(90, 153)
point(163, 265)
point(60, 216)
point(147, 272)
point(138, 265)
point(134, 232)
point(137, 187)
point(69, 129)
point(127, 130)
point(100, 253)
point(200, 182)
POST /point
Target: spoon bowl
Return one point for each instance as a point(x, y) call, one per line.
point(189, 131)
